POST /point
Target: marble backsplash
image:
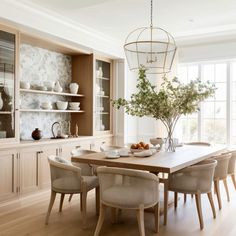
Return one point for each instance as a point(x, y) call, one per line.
point(38, 66)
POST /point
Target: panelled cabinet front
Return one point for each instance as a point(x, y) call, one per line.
point(8, 175)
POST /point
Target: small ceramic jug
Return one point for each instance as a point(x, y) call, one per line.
point(57, 87)
point(74, 88)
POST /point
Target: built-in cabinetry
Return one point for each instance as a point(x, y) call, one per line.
point(24, 167)
point(8, 84)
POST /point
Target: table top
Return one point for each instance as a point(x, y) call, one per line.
point(167, 162)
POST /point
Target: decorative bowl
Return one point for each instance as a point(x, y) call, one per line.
point(62, 105)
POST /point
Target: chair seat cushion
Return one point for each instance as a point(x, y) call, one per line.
point(128, 197)
point(72, 184)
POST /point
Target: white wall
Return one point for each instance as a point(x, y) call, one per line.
point(208, 51)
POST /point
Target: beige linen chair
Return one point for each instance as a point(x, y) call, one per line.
point(197, 180)
point(86, 169)
point(231, 168)
point(128, 189)
point(198, 143)
point(67, 179)
point(221, 173)
point(195, 144)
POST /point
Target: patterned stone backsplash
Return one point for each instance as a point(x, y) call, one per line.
point(38, 66)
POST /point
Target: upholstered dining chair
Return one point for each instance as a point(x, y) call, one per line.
point(221, 173)
point(232, 167)
point(86, 169)
point(68, 179)
point(128, 189)
point(198, 143)
point(195, 144)
point(104, 147)
point(197, 180)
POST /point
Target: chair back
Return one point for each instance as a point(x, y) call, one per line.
point(194, 179)
point(198, 143)
point(86, 169)
point(221, 170)
point(136, 187)
point(62, 170)
point(232, 162)
point(104, 148)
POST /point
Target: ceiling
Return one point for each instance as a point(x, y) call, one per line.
point(116, 18)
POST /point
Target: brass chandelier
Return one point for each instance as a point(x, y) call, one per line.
point(151, 47)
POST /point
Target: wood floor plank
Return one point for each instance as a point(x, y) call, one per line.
point(28, 219)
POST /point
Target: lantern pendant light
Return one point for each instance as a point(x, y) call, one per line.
point(151, 47)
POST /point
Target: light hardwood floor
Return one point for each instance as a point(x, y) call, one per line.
point(29, 219)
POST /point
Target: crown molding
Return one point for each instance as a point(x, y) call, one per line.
point(28, 16)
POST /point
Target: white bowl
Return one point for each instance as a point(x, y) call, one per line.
point(24, 85)
point(62, 105)
point(74, 105)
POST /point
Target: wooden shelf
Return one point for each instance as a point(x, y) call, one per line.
point(52, 111)
point(102, 113)
point(50, 93)
point(103, 78)
point(5, 112)
point(102, 96)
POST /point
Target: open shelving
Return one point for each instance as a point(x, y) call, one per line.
point(50, 93)
point(56, 111)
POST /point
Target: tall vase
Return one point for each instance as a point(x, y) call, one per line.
point(169, 141)
point(1, 101)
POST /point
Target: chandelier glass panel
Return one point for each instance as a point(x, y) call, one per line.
point(151, 47)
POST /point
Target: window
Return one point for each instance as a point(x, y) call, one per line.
point(216, 120)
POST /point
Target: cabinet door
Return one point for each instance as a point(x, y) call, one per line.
point(8, 175)
point(8, 85)
point(29, 170)
point(103, 94)
point(44, 167)
point(65, 150)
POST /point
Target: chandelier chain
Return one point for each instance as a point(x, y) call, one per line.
point(151, 14)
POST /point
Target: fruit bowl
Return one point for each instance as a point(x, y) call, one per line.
point(139, 147)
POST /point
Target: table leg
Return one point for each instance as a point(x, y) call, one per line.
point(166, 195)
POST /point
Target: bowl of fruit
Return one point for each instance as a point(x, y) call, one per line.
point(139, 147)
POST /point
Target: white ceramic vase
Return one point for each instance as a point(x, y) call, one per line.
point(1, 101)
point(57, 87)
point(74, 87)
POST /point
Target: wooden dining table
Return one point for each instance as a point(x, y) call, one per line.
point(160, 162)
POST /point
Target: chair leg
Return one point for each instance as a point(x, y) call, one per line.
point(100, 220)
point(84, 207)
point(217, 189)
point(52, 199)
point(199, 209)
point(176, 200)
point(81, 202)
point(234, 181)
point(71, 195)
point(113, 215)
point(185, 197)
point(166, 196)
point(226, 189)
point(212, 204)
point(140, 217)
point(97, 198)
point(157, 217)
point(61, 202)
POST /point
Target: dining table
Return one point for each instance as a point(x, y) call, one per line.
point(160, 162)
